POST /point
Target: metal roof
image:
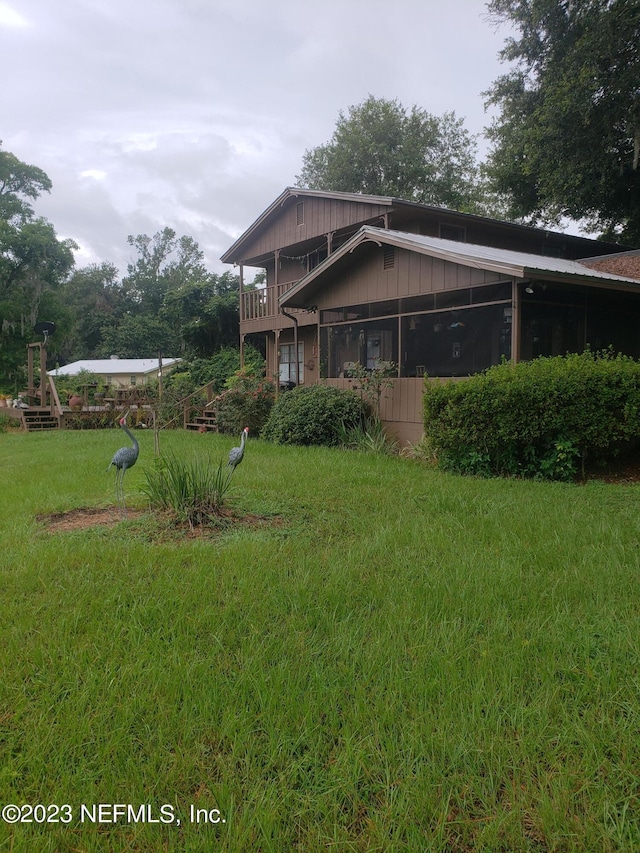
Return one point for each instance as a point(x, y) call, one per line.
point(385, 201)
point(505, 262)
point(114, 365)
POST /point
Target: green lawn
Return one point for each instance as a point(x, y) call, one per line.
point(403, 661)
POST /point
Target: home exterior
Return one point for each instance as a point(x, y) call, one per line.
point(379, 281)
point(118, 373)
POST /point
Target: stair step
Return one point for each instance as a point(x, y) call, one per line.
point(38, 421)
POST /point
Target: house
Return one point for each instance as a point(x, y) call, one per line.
point(378, 281)
point(118, 373)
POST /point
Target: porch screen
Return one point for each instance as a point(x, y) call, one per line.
point(456, 343)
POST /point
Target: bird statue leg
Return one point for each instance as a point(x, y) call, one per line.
point(124, 458)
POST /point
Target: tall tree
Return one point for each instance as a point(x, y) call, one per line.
point(381, 148)
point(207, 312)
point(32, 259)
point(164, 261)
point(87, 302)
point(18, 183)
point(567, 140)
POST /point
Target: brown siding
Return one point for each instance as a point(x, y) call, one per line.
point(400, 407)
point(413, 274)
point(321, 215)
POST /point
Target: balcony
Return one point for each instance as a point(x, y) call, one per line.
point(261, 303)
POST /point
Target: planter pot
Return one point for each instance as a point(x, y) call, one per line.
point(75, 403)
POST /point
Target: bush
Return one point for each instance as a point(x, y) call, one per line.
point(542, 418)
point(314, 414)
point(247, 401)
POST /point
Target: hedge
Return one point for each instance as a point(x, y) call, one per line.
point(544, 418)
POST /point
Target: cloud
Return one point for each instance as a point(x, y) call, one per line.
point(195, 114)
point(10, 18)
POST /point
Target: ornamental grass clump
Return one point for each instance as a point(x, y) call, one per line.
point(193, 490)
point(547, 418)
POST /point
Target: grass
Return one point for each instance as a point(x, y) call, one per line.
point(412, 661)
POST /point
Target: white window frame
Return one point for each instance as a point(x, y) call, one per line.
point(286, 363)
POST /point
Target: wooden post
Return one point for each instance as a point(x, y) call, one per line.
point(515, 322)
point(44, 380)
point(242, 316)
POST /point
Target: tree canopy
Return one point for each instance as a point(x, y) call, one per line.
point(33, 260)
point(381, 148)
point(567, 140)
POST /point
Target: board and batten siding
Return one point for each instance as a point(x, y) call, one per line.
point(412, 274)
point(400, 406)
point(319, 217)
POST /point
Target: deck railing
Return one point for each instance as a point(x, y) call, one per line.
point(256, 304)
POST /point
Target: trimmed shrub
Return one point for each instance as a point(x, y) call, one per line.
point(314, 414)
point(543, 418)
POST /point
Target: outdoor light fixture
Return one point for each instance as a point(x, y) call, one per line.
point(528, 289)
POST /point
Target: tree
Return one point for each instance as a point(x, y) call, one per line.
point(88, 302)
point(207, 312)
point(19, 182)
point(567, 141)
point(380, 148)
point(164, 262)
point(32, 259)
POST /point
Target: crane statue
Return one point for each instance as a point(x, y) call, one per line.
point(236, 453)
point(123, 459)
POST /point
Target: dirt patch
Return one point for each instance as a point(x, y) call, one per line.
point(84, 518)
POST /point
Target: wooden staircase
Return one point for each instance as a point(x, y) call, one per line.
point(204, 421)
point(35, 420)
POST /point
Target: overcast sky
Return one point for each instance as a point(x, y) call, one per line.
point(195, 114)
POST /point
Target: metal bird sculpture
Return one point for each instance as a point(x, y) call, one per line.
point(236, 453)
point(123, 459)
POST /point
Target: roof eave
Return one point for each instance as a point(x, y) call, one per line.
point(293, 298)
point(295, 192)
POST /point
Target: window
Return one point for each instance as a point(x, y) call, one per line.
point(133, 380)
point(453, 232)
point(288, 371)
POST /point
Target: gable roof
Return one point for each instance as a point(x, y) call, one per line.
point(233, 254)
point(295, 192)
point(505, 262)
point(114, 365)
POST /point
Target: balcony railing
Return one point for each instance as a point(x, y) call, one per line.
point(256, 304)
